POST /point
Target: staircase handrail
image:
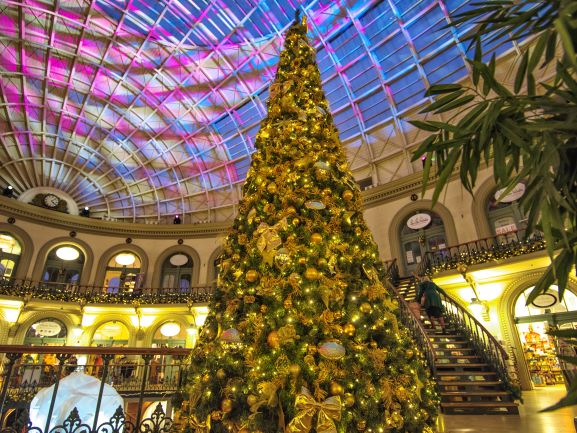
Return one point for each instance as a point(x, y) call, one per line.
point(416, 328)
point(486, 344)
point(392, 270)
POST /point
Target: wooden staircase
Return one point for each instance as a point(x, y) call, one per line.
point(466, 383)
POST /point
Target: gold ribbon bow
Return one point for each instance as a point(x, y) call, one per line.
point(269, 239)
point(328, 412)
point(200, 427)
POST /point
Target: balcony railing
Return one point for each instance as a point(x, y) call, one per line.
point(101, 294)
point(135, 373)
point(480, 251)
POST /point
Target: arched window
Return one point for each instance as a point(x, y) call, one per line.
point(177, 272)
point(123, 272)
point(170, 334)
point(63, 266)
point(111, 334)
point(46, 332)
point(10, 251)
point(546, 312)
point(421, 231)
point(505, 216)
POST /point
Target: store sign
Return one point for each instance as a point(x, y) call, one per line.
point(515, 194)
point(47, 329)
point(111, 330)
point(419, 221)
point(545, 300)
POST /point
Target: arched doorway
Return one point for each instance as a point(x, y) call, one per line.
point(169, 334)
point(177, 272)
point(420, 232)
point(547, 312)
point(10, 251)
point(63, 266)
point(504, 213)
point(123, 272)
point(46, 332)
point(111, 334)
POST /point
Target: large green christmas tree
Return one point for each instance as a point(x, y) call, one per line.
point(302, 335)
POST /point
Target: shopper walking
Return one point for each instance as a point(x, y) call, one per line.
point(428, 296)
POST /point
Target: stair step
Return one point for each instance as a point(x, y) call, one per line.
point(466, 373)
point(461, 364)
point(490, 393)
point(479, 404)
point(469, 383)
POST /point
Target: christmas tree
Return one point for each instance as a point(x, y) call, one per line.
point(302, 335)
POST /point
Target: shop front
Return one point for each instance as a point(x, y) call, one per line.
point(534, 321)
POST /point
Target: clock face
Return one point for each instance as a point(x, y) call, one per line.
point(51, 200)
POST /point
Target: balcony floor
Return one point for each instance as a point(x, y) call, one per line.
point(529, 420)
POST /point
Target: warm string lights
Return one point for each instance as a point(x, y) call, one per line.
point(302, 335)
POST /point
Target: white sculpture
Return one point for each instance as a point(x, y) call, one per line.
point(79, 391)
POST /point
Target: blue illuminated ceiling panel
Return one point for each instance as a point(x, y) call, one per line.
point(142, 109)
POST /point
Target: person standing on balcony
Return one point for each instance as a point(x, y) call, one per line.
point(428, 295)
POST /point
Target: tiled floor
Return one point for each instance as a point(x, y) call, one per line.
point(529, 420)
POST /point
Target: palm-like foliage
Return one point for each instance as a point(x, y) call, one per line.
point(527, 132)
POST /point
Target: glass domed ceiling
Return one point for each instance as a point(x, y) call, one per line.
point(146, 109)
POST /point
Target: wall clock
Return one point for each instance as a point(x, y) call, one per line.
point(51, 201)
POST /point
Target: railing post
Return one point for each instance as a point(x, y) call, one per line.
point(106, 362)
point(146, 368)
point(12, 358)
point(62, 357)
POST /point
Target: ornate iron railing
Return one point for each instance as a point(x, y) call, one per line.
point(480, 251)
point(408, 318)
point(487, 346)
point(102, 294)
point(136, 373)
point(158, 422)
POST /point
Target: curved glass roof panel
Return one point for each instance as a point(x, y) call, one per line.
point(143, 109)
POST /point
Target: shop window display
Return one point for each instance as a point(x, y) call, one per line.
point(10, 251)
point(123, 273)
point(547, 312)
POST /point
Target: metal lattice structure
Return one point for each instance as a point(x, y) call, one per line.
point(142, 109)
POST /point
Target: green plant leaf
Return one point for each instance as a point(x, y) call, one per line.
point(438, 89)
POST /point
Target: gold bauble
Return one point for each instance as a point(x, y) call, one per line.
point(349, 400)
point(349, 329)
point(302, 260)
point(338, 314)
point(251, 399)
point(271, 187)
point(251, 275)
point(374, 344)
point(296, 221)
point(288, 303)
point(273, 340)
point(236, 257)
point(291, 210)
point(348, 195)
point(226, 405)
point(336, 388)
point(361, 425)
point(312, 274)
point(216, 415)
point(322, 262)
point(205, 378)
point(259, 180)
point(316, 238)
point(402, 393)
point(365, 307)
point(220, 374)
point(358, 231)
point(295, 369)
point(409, 353)
point(371, 390)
